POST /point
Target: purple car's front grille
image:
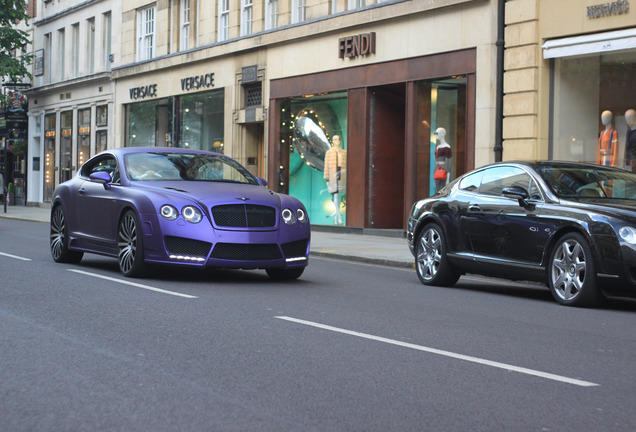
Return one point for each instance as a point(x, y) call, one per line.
point(244, 216)
point(185, 246)
point(246, 252)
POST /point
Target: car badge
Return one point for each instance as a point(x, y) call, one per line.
point(242, 198)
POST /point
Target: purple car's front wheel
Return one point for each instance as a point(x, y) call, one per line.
point(130, 246)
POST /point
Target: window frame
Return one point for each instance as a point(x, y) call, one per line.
point(224, 20)
point(146, 32)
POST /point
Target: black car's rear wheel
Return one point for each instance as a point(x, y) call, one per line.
point(572, 272)
point(59, 239)
point(431, 262)
point(285, 274)
point(130, 246)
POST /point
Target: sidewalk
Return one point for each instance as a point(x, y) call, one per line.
point(384, 247)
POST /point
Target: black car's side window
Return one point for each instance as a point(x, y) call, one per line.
point(471, 182)
point(496, 179)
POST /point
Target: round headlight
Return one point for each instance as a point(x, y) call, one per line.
point(288, 216)
point(191, 214)
point(628, 234)
point(301, 216)
point(168, 212)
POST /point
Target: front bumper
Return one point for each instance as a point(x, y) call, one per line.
point(182, 243)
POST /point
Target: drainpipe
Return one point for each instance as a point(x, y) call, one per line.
point(501, 22)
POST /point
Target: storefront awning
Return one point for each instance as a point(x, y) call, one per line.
point(590, 44)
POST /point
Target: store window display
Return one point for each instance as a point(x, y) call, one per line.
point(589, 122)
point(443, 155)
point(441, 134)
point(313, 146)
point(335, 170)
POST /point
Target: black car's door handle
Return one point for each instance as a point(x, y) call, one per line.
point(474, 207)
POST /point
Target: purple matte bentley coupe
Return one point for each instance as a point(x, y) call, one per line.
point(177, 206)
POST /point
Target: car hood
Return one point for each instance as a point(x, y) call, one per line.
point(609, 207)
point(214, 193)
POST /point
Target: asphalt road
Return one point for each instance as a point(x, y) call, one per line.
point(348, 347)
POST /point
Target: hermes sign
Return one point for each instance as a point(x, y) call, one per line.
point(607, 9)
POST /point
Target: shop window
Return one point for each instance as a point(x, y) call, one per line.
point(66, 146)
point(149, 123)
point(593, 117)
point(83, 136)
point(314, 155)
point(202, 121)
point(441, 112)
point(101, 141)
point(49, 156)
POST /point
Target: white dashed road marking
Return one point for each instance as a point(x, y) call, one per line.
point(445, 353)
point(138, 285)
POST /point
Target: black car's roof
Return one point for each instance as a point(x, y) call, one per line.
point(553, 163)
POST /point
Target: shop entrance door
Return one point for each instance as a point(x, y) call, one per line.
point(386, 156)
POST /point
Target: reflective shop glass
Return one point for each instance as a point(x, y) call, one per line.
point(149, 124)
point(314, 138)
point(593, 118)
point(49, 156)
point(66, 146)
point(202, 121)
point(441, 134)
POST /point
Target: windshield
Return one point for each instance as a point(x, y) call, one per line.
point(186, 167)
point(589, 182)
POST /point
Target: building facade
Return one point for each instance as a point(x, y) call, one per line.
point(71, 100)
point(271, 83)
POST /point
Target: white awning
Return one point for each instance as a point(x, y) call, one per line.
point(590, 44)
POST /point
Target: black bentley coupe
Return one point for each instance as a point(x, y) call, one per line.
point(570, 225)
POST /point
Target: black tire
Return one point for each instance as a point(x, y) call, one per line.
point(59, 239)
point(279, 274)
point(431, 262)
point(130, 246)
point(572, 272)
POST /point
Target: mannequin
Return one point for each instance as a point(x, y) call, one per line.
point(336, 175)
point(630, 140)
point(607, 142)
point(443, 155)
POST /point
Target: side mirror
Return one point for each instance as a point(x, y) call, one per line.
point(101, 177)
point(262, 181)
point(518, 193)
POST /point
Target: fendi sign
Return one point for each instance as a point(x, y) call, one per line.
point(358, 45)
point(608, 9)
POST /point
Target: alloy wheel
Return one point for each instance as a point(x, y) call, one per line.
point(568, 269)
point(429, 254)
point(127, 243)
point(58, 229)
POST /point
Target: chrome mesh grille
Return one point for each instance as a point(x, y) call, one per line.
point(295, 249)
point(185, 246)
point(246, 252)
point(244, 216)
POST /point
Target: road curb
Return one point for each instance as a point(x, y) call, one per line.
point(366, 260)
